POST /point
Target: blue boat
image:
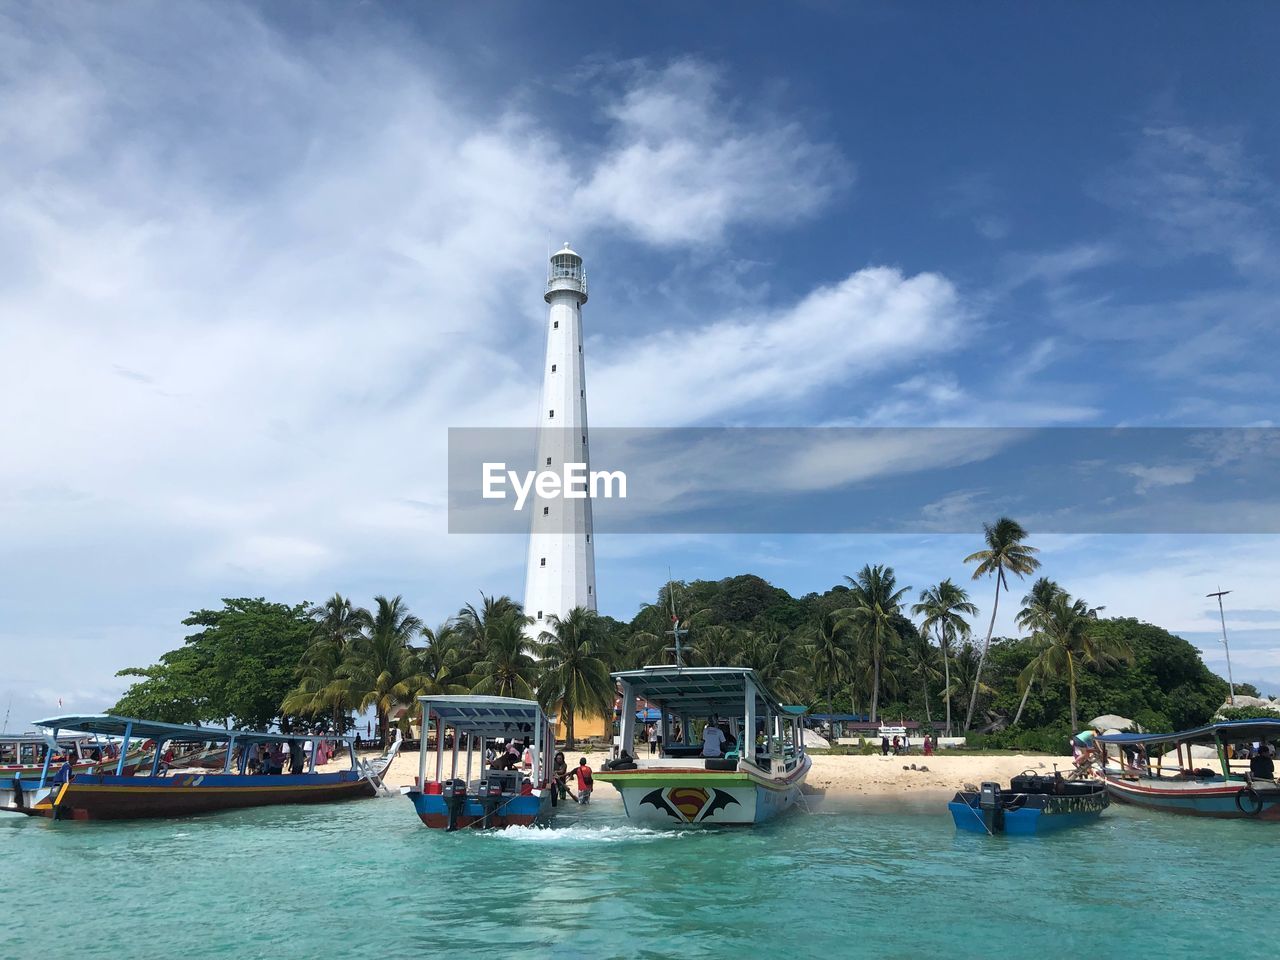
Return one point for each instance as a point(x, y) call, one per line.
point(1032, 805)
point(448, 797)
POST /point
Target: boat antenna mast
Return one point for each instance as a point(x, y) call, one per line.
point(676, 631)
point(1231, 684)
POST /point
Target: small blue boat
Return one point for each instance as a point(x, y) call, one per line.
point(1033, 804)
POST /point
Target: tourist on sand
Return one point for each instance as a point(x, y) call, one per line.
point(653, 739)
point(712, 741)
point(928, 746)
point(585, 781)
point(884, 746)
point(897, 745)
point(560, 770)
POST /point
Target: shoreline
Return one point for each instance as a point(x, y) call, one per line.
point(849, 776)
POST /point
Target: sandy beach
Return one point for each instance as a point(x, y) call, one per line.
point(856, 775)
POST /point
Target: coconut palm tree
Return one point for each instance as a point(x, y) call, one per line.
point(505, 668)
point(381, 670)
point(877, 603)
point(573, 675)
point(717, 646)
point(338, 624)
point(921, 658)
point(1069, 643)
point(473, 623)
point(944, 608)
point(964, 672)
point(827, 649)
point(442, 666)
point(1035, 609)
point(771, 652)
point(1005, 551)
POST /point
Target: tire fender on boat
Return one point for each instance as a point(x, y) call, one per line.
point(1255, 801)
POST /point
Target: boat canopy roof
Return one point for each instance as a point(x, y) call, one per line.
point(695, 690)
point(485, 716)
point(1229, 730)
point(108, 725)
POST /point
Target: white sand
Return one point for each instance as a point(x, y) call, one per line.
point(850, 775)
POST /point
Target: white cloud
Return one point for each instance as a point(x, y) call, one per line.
point(1163, 475)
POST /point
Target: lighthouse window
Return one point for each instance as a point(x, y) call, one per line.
point(582, 393)
point(543, 562)
point(579, 348)
point(555, 324)
point(552, 414)
point(584, 438)
point(588, 589)
point(548, 461)
point(588, 538)
point(553, 368)
point(539, 614)
point(546, 511)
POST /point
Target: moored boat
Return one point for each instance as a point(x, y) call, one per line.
point(129, 789)
point(1032, 804)
point(447, 797)
point(760, 775)
point(1243, 785)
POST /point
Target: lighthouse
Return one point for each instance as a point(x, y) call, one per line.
point(561, 569)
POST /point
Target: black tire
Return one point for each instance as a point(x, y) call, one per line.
point(1255, 802)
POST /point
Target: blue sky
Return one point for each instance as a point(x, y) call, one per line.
point(257, 260)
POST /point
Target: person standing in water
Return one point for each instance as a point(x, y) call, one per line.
point(585, 781)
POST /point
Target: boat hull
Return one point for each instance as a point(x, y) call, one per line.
point(1222, 800)
point(525, 810)
point(130, 798)
point(1057, 813)
point(681, 797)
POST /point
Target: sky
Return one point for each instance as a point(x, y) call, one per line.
point(255, 261)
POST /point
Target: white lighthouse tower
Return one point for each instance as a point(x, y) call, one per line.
point(561, 571)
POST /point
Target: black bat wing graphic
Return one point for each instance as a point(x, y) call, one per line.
point(656, 799)
point(719, 800)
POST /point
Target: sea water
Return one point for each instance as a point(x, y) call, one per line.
point(852, 878)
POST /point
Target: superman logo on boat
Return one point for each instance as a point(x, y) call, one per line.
point(689, 804)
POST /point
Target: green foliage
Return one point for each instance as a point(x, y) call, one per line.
point(238, 668)
point(1248, 713)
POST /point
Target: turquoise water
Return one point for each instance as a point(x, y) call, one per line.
point(366, 880)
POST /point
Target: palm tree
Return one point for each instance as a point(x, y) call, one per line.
point(877, 602)
point(381, 669)
point(920, 660)
point(827, 650)
point(944, 608)
point(964, 674)
point(771, 652)
point(441, 665)
point(1032, 617)
point(506, 669)
point(572, 673)
point(1069, 642)
point(338, 624)
point(1005, 552)
point(472, 624)
point(717, 647)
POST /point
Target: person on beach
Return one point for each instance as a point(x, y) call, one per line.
point(560, 770)
point(928, 746)
point(585, 781)
point(884, 746)
point(713, 741)
point(653, 739)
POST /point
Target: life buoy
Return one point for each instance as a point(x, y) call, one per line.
point(1255, 802)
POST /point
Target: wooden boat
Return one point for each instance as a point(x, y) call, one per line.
point(1033, 804)
point(447, 797)
point(1232, 791)
point(161, 790)
point(683, 787)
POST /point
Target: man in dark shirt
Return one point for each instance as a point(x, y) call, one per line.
point(1261, 765)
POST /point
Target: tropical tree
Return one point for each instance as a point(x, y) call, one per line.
point(877, 604)
point(381, 670)
point(442, 666)
point(1032, 617)
point(1068, 643)
point(337, 625)
point(921, 659)
point(827, 650)
point(1005, 552)
point(717, 646)
point(771, 652)
point(505, 669)
point(472, 624)
point(964, 672)
point(944, 608)
point(573, 675)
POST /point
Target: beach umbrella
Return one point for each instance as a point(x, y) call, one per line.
point(1113, 724)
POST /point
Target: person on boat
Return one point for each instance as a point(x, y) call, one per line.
point(526, 758)
point(677, 734)
point(560, 770)
point(585, 781)
point(1261, 764)
point(653, 739)
point(297, 757)
point(506, 761)
point(713, 739)
point(1082, 747)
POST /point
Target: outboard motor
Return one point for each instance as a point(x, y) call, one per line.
point(455, 800)
point(490, 798)
point(19, 798)
point(991, 806)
